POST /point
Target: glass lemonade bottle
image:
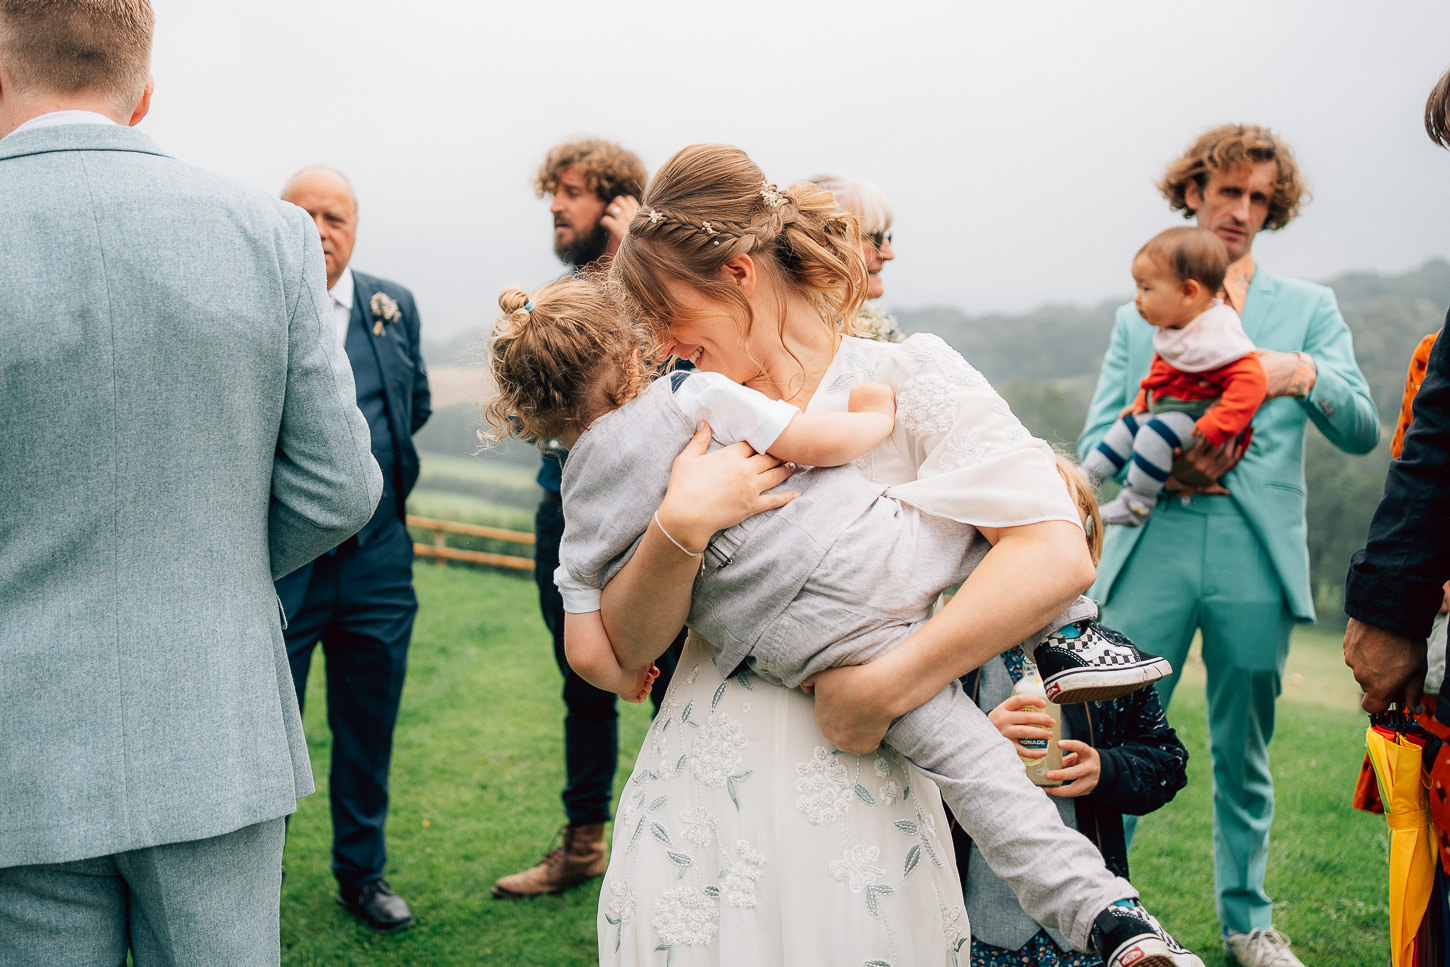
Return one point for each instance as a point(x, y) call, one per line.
point(1047, 755)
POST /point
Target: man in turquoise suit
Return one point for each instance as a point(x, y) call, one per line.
point(1246, 586)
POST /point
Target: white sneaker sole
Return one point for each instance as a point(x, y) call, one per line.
point(1152, 953)
point(1097, 685)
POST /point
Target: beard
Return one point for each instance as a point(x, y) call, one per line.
point(584, 248)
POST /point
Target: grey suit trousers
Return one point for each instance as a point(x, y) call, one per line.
point(205, 903)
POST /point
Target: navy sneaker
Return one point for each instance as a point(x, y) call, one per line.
point(1085, 662)
point(1126, 935)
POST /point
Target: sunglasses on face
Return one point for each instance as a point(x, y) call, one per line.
point(877, 239)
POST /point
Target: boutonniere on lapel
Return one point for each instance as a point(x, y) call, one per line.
point(385, 310)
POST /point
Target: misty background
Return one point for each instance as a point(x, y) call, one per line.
point(1017, 142)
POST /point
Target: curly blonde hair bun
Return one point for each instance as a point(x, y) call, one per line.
point(560, 358)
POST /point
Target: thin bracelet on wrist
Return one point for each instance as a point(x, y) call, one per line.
point(672, 540)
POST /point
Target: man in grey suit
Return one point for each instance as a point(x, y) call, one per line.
point(180, 427)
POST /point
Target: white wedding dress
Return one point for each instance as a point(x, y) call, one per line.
point(744, 838)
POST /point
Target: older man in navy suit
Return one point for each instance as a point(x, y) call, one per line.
point(358, 600)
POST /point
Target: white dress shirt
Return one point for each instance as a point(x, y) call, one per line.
point(63, 117)
point(342, 294)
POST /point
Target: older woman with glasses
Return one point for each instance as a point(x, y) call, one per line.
point(868, 203)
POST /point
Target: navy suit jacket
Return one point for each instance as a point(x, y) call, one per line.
point(396, 354)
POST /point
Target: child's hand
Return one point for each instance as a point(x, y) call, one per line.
point(1133, 409)
point(1016, 720)
point(1080, 772)
point(644, 679)
point(873, 398)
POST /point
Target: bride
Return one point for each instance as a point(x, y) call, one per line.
point(749, 832)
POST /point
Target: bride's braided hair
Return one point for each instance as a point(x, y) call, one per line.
point(710, 203)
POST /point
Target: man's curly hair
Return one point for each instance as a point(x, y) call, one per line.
point(609, 170)
point(1229, 146)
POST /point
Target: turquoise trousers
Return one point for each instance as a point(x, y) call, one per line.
point(1199, 567)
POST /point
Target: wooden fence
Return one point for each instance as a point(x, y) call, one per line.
point(442, 553)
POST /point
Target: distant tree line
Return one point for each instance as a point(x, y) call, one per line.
point(1050, 390)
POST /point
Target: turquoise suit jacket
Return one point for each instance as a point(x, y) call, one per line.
point(1268, 484)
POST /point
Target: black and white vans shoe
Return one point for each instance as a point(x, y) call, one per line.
point(1126, 935)
point(1085, 662)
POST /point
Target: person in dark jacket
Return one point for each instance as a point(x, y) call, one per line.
point(1395, 582)
point(1120, 757)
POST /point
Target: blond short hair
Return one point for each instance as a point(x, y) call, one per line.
point(78, 46)
point(1230, 146)
point(1085, 498)
point(859, 196)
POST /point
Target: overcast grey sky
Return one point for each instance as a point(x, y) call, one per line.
point(1018, 140)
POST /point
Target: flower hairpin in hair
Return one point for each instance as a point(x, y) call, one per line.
point(771, 194)
point(385, 310)
point(708, 229)
point(656, 216)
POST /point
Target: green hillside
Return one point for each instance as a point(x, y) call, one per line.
point(1388, 315)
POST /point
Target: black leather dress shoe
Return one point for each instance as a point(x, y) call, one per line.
point(377, 906)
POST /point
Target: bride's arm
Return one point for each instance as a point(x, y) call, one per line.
point(1031, 574)
point(646, 603)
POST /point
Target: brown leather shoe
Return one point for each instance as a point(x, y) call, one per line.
point(582, 857)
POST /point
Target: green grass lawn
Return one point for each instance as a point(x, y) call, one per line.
point(478, 764)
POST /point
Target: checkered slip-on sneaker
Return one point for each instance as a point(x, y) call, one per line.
point(1086, 662)
point(1128, 936)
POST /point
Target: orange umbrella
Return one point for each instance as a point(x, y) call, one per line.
point(1396, 757)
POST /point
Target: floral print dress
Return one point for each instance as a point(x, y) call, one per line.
point(746, 839)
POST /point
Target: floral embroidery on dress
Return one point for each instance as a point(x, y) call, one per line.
point(717, 750)
point(953, 924)
point(964, 450)
point(858, 868)
point(888, 792)
point(699, 826)
point(926, 405)
point(825, 789)
point(1017, 431)
point(620, 910)
point(739, 880)
point(687, 867)
point(686, 916)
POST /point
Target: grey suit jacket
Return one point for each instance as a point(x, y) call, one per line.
point(178, 428)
